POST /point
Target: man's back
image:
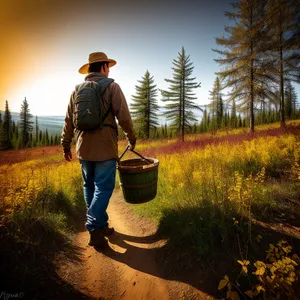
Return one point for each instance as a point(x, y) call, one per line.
point(101, 144)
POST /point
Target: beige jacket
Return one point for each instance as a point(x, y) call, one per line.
point(100, 144)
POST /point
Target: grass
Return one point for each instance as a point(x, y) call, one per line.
point(41, 202)
point(215, 195)
point(218, 194)
point(216, 198)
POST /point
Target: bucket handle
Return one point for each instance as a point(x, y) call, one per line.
point(127, 148)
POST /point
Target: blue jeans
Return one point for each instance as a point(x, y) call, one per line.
point(98, 184)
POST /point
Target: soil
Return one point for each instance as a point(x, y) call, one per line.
point(130, 268)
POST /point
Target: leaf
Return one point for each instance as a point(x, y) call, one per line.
point(222, 284)
point(258, 238)
point(287, 249)
point(295, 257)
point(235, 296)
point(249, 294)
point(269, 279)
point(261, 268)
point(260, 288)
point(244, 262)
point(260, 271)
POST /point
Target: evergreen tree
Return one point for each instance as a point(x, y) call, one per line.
point(36, 130)
point(47, 141)
point(30, 144)
point(290, 101)
point(180, 96)
point(15, 137)
point(44, 140)
point(41, 137)
point(13, 127)
point(243, 67)
point(240, 122)
point(56, 139)
point(7, 126)
point(282, 18)
point(1, 130)
point(216, 105)
point(233, 119)
point(204, 122)
point(25, 123)
point(166, 130)
point(194, 128)
point(144, 106)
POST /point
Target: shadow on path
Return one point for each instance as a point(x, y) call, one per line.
point(177, 262)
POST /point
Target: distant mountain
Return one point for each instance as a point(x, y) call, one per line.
point(53, 124)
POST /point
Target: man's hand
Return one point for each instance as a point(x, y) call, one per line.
point(68, 156)
point(131, 145)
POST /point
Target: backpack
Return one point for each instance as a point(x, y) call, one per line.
point(88, 109)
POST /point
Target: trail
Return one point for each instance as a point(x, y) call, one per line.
point(127, 270)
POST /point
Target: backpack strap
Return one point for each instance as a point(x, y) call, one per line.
point(103, 84)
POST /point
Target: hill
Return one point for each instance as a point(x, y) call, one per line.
point(53, 124)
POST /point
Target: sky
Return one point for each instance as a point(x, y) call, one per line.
point(44, 43)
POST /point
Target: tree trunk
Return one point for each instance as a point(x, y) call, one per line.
point(183, 108)
point(251, 95)
point(282, 118)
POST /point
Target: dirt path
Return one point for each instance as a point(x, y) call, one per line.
point(128, 270)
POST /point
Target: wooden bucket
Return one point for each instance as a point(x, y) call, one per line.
point(138, 178)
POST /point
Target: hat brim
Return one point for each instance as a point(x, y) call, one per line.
point(85, 68)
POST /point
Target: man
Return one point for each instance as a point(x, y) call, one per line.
point(97, 149)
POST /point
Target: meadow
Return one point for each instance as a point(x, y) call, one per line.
point(223, 196)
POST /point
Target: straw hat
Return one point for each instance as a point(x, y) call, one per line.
point(96, 57)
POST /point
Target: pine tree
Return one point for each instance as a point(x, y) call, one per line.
point(166, 130)
point(15, 137)
point(56, 139)
point(243, 67)
point(204, 122)
point(41, 137)
point(233, 119)
point(30, 144)
point(47, 141)
point(7, 126)
point(283, 44)
point(1, 130)
point(290, 101)
point(144, 106)
point(216, 105)
point(36, 130)
point(240, 122)
point(25, 123)
point(180, 96)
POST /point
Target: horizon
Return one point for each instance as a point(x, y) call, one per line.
point(139, 36)
point(47, 43)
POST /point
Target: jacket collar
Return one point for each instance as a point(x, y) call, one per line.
point(95, 76)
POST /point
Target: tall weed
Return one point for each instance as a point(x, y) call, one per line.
point(208, 194)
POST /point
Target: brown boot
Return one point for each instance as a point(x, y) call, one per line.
point(106, 231)
point(97, 239)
